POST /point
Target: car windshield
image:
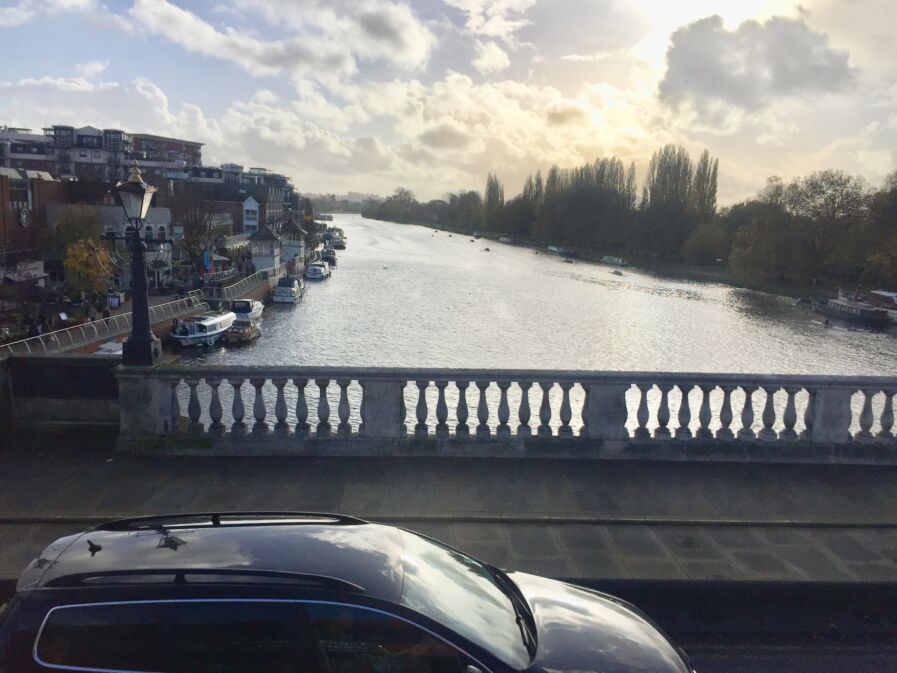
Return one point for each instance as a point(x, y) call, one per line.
point(467, 596)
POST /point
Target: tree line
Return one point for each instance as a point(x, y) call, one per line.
point(826, 226)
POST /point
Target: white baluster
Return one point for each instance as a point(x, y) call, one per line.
point(193, 408)
point(344, 429)
point(462, 431)
point(566, 413)
point(362, 409)
point(704, 414)
point(725, 415)
point(523, 412)
point(544, 429)
point(504, 411)
point(789, 419)
point(683, 431)
point(238, 411)
point(280, 407)
point(215, 411)
point(866, 418)
point(642, 414)
point(483, 431)
point(747, 414)
point(442, 428)
point(809, 416)
point(421, 430)
point(584, 430)
point(767, 434)
point(258, 406)
point(302, 427)
point(662, 431)
point(887, 417)
point(323, 408)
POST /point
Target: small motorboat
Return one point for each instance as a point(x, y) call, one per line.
point(329, 255)
point(617, 272)
point(247, 309)
point(852, 311)
point(567, 260)
point(289, 290)
point(317, 271)
point(202, 330)
point(486, 250)
point(242, 332)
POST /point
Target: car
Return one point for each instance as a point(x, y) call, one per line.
point(305, 592)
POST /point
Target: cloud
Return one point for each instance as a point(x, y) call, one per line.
point(565, 113)
point(92, 68)
point(23, 11)
point(494, 18)
point(445, 135)
point(374, 30)
point(715, 69)
point(256, 56)
point(490, 58)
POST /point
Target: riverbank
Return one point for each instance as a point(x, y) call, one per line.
point(665, 269)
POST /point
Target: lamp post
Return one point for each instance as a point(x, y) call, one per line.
point(142, 347)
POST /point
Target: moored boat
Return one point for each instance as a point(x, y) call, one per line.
point(884, 300)
point(202, 330)
point(242, 331)
point(289, 290)
point(247, 309)
point(614, 261)
point(852, 311)
point(317, 271)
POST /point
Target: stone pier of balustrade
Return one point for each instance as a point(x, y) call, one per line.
point(379, 411)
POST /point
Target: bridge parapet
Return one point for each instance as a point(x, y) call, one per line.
point(256, 410)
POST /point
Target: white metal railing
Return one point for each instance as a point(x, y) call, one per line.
point(77, 336)
point(528, 404)
point(238, 289)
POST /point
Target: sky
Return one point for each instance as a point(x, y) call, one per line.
point(432, 95)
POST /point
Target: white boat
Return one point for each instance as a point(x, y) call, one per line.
point(203, 329)
point(614, 261)
point(288, 291)
point(884, 300)
point(247, 309)
point(317, 271)
point(505, 239)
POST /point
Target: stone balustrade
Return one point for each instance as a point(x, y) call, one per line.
point(256, 410)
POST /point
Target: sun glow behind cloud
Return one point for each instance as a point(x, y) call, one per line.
point(434, 94)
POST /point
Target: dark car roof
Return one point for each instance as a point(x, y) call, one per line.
point(365, 554)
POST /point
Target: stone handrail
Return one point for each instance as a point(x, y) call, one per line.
point(607, 411)
point(77, 336)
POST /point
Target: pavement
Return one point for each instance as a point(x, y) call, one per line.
point(567, 518)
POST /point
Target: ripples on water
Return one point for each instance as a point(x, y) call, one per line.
point(406, 296)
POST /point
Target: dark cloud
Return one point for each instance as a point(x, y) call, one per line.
point(750, 66)
point(445, 136)
point(565, 114)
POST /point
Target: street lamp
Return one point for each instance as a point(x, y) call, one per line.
point(142, 347)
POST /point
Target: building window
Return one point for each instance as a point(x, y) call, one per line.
point(161, 233)
point(82, 153)
point(250, 214)
point(96, 154)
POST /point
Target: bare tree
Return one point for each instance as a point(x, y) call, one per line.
point(197, 216)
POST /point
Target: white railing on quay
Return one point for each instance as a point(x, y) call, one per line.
point(77, 336)
point(518, 406)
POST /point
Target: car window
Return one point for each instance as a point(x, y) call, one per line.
point(356, 640)
point(462, 593)
point(239, 637)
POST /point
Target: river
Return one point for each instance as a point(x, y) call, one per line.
point(409, 296)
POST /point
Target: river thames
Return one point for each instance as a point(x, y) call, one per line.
point(406, 296)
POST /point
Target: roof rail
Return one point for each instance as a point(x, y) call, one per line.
point(222, 519)
point(179, 576)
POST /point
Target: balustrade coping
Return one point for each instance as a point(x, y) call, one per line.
point(533, 376)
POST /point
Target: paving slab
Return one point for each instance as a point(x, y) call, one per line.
point(576, 519)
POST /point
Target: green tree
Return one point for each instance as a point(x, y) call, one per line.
point(493, 202)
point(77, 223)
